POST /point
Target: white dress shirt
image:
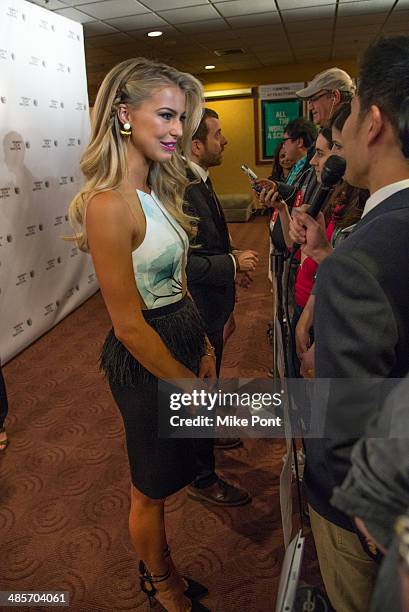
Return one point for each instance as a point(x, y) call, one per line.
point(383, 193)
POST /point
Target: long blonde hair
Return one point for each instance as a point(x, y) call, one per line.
point(103, 162)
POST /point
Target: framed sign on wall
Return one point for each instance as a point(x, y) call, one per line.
point(274, 107)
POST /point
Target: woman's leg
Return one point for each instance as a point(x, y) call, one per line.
point(147, 530)
point(148, 535)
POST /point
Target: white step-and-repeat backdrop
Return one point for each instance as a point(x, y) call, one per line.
point(44, 125)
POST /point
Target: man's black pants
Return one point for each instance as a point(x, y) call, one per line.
point(204, 446)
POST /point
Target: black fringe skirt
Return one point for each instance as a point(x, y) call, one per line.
point(159, 466)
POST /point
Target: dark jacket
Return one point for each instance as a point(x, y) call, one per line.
point(210, 268)
point(361, 331)
point(305, 181)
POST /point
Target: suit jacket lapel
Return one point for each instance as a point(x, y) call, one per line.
point(215, 208)
point(400, 199)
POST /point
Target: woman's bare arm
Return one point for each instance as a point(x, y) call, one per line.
point(111, 232)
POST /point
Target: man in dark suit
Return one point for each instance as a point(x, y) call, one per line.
point(211, 273)
point(361, 320)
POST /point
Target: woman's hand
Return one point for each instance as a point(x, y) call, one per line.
point(307, 369)
point(310, 233)
point(302, 339)
point(259, 184)
point(270, 198)
point(207, 368)
point(303, 328)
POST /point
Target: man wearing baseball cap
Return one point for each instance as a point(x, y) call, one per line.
point(326, 91)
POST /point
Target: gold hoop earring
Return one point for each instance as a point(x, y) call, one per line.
point(126, 129)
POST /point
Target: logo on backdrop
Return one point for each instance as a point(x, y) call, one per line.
point(40, 185)
point(50, 308)
point(18, 329)
point(5, 192)
point(72, 290)
point(21, 327)
point(26, 101)
point(5, 55)
point(53, 263)
point(24, 277)
point(16, 145)
point(32, 230)
point(34, 61)
point(8, 239)
point(12, 12)
point(44, 24)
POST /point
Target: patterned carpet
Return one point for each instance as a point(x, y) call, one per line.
point(64, 493)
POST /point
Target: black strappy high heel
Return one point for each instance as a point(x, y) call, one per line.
point(148, 581)
point(194, 590)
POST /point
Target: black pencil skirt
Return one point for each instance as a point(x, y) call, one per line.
point(159, 466)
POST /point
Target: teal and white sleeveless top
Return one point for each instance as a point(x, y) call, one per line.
point(159, 262)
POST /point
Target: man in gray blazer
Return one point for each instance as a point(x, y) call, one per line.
point(361, 321)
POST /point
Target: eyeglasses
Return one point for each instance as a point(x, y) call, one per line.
point(318, 96)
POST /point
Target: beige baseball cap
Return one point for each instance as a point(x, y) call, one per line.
point(333, 78)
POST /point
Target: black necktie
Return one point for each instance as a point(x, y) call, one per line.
point(222, 221)
point(215, 199)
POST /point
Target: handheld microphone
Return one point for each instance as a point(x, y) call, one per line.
point(332, 172)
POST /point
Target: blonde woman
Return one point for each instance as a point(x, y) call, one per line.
point(129, 216)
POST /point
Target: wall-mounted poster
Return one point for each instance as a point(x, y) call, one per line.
point(276, 114)
point(275, 107)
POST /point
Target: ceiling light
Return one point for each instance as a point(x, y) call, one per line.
point(210, 67)
point(154, 34)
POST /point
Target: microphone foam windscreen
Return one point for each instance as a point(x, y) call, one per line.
point(333, 170)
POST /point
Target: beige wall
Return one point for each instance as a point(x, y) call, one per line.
point(237, 116)
point(273, 74)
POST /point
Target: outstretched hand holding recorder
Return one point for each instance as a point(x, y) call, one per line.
point(257, 184)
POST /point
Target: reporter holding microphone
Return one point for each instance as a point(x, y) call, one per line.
point(304, 280)
point(346, 206)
